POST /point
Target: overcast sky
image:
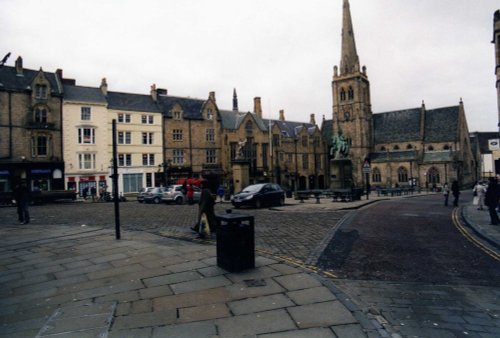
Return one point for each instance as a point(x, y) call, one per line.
point(281, 50)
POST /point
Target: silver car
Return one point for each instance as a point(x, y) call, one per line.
point(174, 193)
point(153, 195)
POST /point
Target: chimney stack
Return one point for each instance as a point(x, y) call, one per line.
point(282, 115)
point(153, 92)
point(211, 96)
point(257, 108)
point(104, 87)
point(313, 119)
point(19, 66)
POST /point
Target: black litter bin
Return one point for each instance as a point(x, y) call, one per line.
point(235, 242)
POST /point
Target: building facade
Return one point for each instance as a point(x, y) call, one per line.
point(30, 128)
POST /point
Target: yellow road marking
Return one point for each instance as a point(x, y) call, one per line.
point(460, 227)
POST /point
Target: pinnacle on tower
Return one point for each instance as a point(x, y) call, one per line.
point(235, 100)
point(349, 60)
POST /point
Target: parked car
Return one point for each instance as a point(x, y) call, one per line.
point(259, 195)
point(174, 193)
point(153, 195)
point(140, 197)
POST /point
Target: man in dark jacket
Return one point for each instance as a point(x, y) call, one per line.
point(491, 199)
point(206, 206)
point(22, 197)
point(455, 190)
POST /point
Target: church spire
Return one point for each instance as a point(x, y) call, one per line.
point(349, 61)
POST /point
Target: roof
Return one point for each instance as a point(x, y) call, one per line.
point(441, 125)
point(84, 94)
point(132, 102)
point(192, 108)
point(9, 80)
point(397, 126)
point(292, 128)
point(482, 139)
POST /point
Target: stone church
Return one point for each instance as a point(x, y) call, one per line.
point(409, 147)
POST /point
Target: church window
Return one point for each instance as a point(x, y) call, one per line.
point(430, 148)
point(342, 94)
point(376, 177)
point(396, 147)
point(446, 147)
point(347, 116)
point(402, 175)
point(382, 148)
point(350, 93)
point(409, 146)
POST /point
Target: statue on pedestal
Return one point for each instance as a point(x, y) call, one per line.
point(340, 146)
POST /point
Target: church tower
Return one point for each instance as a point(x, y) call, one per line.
point(352, 115)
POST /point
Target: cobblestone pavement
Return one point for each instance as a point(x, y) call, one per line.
point(287, 232)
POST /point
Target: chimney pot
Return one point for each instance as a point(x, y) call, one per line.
point(19, 66)
point(257, 107)
point(104, 86)
point(211, 95)
point(282, 115)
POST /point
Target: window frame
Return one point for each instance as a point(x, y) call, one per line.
point(85, 113)
point(82, 136)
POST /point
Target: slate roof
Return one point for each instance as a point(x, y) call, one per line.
point(84, 94)
point(483, 138)
point(441, 125)
point(232, 120)
point(132, 102)
point(192, 108)
point(327, 131)
point(9, 80)
point(291, 128)
point(397, 126)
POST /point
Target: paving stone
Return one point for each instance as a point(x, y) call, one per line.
point(140, 306)
point(321, 314)
point(112, 271)
point(307, 333)
point(82, 270)
point(204, 312)
point(132, 259)
point(129, 296)
point(257, 273)
point(297, 281)
point(109, 289)
point(205, 329)
point(210, 296)
point(284, 269)
point(109, 258)
point(167, 261)
point(134, 333)
point(188, 266)
point(139, 320)
point(200, 284)
point(242, 291)
point(172, 278)
point(212, 271)
point(349, 331)
point(311, 295)
point(255, 323)
point(154, 292)
point(260, 304)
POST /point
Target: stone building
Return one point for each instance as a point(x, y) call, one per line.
point(407, 147)
point(30, 128)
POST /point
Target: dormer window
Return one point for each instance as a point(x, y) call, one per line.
point(249, 127)
point(40, 91)
point(177, 115)
point(210, 115)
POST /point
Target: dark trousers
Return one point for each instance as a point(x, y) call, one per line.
point(23, 212)
point(493, 215)
point(455, 200)
point(446, 200)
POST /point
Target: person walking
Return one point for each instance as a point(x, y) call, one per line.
point(190, 194)
point(491, 200)
point(220, 192)
point(22, 197)
point(206, 213)
point(479, 194)
point(446, 194)
point(455, 190)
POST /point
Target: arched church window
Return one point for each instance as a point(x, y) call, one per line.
point(409, 146)
point(382, 148)
point(446, 147)
point(342, 94)
point(430, 148)
point(350, 93)
point(376, 177)
point(396, 147)
point(402, 174)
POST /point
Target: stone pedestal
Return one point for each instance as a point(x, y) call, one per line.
point(341, 174)
point(241, 174)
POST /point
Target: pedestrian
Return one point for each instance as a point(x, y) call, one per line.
point(190, 194)
point(446, 194)
point(479, 192)
point(85, 193)
point(455, 190)
point(491, 200)
point(220, 192)
point(93, 193)
point(22, 197)
point(206, 213)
